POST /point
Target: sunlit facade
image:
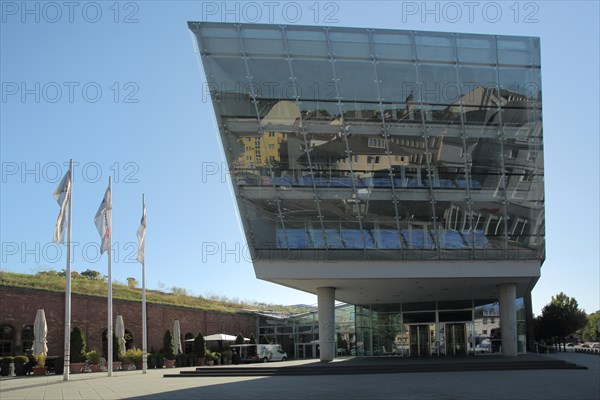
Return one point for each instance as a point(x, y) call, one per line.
point(387, 168)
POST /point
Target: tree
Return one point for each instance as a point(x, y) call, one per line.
point(239, 339)
point(252, 349)
point(77, 347)
point(168, 346)
point(91, 275)
point(560, 318)
point(116, 348)
point(590, 330)
point(199, 345)
point(264, 340)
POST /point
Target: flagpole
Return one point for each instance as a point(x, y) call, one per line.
point(67, 350)
point(109, 333)
point(144, 327)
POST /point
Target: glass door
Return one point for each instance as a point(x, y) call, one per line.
point(456, 339)
point(419, 340)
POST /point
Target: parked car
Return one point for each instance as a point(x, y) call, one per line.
point(570, 347)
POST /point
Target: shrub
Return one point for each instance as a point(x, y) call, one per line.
point(168, 346)
point(239, 339)
point(93, 357)
point(265, 340)
point(20, 362)
point(199, 345)
point(59, 365)
point(77, 345)
point(160, 360)
point(208, 355)
point(41, 359)
point(134, 355)
point(179, 360)
point(151, 361)
point(5, 365)
point(116, 352)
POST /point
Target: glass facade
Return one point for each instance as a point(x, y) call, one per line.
point(442, 328)
point(380, 143)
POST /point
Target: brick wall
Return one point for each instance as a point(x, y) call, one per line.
point(18, 308)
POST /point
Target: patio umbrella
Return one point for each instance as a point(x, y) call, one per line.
point(221, 336)
point(177, 337)
point(40, 331)
point(120, 333)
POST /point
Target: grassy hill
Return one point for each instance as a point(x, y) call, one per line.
point(91, 285)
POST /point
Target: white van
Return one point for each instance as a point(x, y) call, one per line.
point(260, 352)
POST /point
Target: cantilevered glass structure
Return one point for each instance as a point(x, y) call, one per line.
point(353, 150)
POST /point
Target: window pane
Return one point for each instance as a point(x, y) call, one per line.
point(395, 46)
point(435, 47)
point(478, 49)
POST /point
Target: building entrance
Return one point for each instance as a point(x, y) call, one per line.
point(456, 338)
point(420, 339)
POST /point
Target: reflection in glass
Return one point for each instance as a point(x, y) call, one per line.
point(355, 142)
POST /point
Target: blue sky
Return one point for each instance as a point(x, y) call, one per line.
point(118, 87)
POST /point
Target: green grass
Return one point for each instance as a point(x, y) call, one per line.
point(54, 282)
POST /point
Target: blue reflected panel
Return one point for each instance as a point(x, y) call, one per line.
point(317, 238)
point(417, 239)
point(386, 238)
point(292, 238)
point(449, 240)
point(357, 239)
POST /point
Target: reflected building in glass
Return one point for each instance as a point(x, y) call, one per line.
point(401, 172)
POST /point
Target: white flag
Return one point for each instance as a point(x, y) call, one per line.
point(141, 235)
point(103, 220)
point(62, 195)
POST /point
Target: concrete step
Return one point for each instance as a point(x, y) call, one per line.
point(384, 368)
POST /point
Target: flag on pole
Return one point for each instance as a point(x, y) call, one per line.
point(62, 196)
point(141, 235)
point(103, 220)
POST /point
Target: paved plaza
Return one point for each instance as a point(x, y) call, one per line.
point(509, 385)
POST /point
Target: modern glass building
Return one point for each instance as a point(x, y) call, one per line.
point(398, 171)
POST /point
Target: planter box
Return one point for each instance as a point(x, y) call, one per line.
point(95, 368)
point(77, 368)
point(169, 363)
point(39, 370)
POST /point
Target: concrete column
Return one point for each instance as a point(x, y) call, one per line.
point(508, 318)
point(326, 304)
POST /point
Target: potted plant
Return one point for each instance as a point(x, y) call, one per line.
point(200, 348)
point(93, 358)
point(125, 361)
point(77, 350)
point(151, 360)
point(40, 368)
point(160, 360)
point(136, 357)
point(227, 354)
point(208, 358)
point(169, 349)
point(5, 365)
point(116, 353)
point(21, 365)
